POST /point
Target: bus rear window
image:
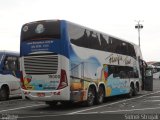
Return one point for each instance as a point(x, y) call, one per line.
point(41, 30)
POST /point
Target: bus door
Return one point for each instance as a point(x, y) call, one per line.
point(142, 71)
point(147, 76)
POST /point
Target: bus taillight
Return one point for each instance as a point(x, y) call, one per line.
point(63, 80)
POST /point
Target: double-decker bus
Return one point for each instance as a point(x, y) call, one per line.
point(62, 61)
point(9, 75)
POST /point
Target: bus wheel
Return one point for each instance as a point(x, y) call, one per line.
point(4, 93)
point(90, 97)
point(100, 95)
point(136, 90)
point(51, 103)
point(131, 92)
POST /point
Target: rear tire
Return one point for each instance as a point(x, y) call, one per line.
point(100, 95)
point(90, 97)
point(131, 92)
point(136, 90)
point(4, 93)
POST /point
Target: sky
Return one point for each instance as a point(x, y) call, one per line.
point(114, 17)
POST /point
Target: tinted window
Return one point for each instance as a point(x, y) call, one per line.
point(122, 71)
point(11, 63)
point(90, 39)
point(41, 30)
point(131, 50)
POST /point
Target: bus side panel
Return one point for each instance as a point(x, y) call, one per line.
point(9, 72)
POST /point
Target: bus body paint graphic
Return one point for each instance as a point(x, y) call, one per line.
point(40, 84)
point(70, 61)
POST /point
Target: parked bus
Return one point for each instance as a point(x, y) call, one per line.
point(9, 75)
point(62, 61)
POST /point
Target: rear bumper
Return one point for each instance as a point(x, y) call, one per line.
point(55, 95)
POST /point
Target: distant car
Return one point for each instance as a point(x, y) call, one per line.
point(9, 75)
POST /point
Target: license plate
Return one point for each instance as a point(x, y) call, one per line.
point(40, 94)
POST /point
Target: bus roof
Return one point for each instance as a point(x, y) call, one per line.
point(82, 27)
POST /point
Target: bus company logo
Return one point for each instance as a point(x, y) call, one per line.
point(25, 28)
point(39, 29)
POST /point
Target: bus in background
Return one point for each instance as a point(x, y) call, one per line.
point(9, 75)
point(156, 69)
point(62, 61)
point(156, 72)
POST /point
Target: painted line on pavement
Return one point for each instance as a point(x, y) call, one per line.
point(56, 115)
point(83, 109)
point(92, 108)
point(21, 108)
point(8, 101)
point(142, 109)
point(154, 97)
point(40, 116)
point(152, 101)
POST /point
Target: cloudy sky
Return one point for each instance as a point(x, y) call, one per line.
point(115, 17)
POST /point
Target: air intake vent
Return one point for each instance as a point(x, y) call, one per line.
point(41, 64)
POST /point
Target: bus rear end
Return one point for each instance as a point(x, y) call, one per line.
point(44, 63)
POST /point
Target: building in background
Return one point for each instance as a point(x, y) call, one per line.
point(156, 69)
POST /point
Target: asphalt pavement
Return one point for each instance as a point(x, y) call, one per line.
point(145, 106)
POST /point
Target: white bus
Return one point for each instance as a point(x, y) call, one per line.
point(62, 61)
point(9, 75)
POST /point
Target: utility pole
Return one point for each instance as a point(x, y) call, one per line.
point(139, 27)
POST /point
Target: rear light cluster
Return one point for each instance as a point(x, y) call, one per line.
point(63, 80)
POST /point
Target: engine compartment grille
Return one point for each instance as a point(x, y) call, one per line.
point(41, 64)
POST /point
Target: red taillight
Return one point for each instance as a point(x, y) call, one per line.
point(22, 81)
point(63, 80)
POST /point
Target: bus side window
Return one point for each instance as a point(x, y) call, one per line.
point(136, 74)
point(122, 74)
point(116, 73)
point(111, 70)
point(131, 74)
point(11, 63)
point(6, 67)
